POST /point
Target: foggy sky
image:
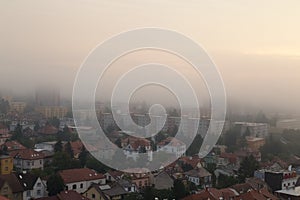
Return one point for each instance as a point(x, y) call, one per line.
point(255, 44)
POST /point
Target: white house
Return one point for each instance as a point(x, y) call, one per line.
point(173, 146)
point(132, 147)
point(33, 186)
point(80, 180)
point(47, 146)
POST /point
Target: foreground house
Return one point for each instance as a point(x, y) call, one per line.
point(231, 194)
point(32, 185)
point(80, 180)
point(10, 187)
point(65, 195)
point(105, 192)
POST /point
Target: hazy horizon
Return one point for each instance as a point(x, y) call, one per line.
point(255, 44)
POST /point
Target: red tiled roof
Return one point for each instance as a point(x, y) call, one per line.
point(2, 126)
point(78, 175)
point(48, 130)
point(71, 195)
point(27, 154)
point(252, 195)
point(267, 194)
point(203, 195)
point(193, 161)
point(3, 198)
point(171, 141)
point(13, 145)
point(230, 156)
point(77, 147)
point(13, 182)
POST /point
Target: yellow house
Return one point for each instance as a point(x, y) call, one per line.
point(6, 164)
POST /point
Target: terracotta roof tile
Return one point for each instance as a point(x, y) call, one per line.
point(27, 154)
point(77, 175)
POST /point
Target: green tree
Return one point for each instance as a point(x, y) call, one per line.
point(17, 134)
point(58, 147)
point(69, 150)
point(247, 168)
point(55, 185)
point(83, 156)
point(179, 189)
point(194, 148)
point(93, 163)
point(226, 181)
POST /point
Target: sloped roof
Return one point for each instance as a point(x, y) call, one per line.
point(78, 175)
point(200, 172)
point(71, 195)
point(27, 180)
point(27, 154)
point(13, 182)
point(171, 141)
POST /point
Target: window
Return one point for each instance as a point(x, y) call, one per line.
point(39, 192)
point(39, 184)
point(74, 187)
point(81, 185)
point(28, 193)
point(93, 196)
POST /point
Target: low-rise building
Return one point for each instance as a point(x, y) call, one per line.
point(28, 159)
point(10, 187)
point(80, 180)
point(32, 185)
point(6, 164)
point(200, 177)
point(173, 146)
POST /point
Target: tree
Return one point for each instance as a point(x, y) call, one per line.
point(36, 126)
point(118, 142)
point(62, 161)
point(94, 164)
point(194, 148)
point(17, 134)
point(83, 156)
point(58, 147)
point(226, 181)
point(247, 168)
point(179, 189)
point(69, 150)
point(55, 185)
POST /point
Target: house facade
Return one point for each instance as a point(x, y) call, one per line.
point(28, 159)
point(80, 180)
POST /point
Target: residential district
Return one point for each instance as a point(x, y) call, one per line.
point(43, 158)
